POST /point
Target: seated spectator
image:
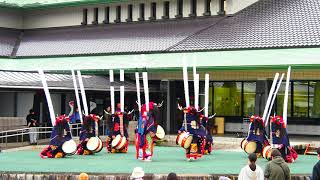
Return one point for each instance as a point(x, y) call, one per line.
point(172, 176)
point(224, 178)
point(137, 174)
point(251, 171)
point(277, 168)
point(83, 176)
point(316, 168)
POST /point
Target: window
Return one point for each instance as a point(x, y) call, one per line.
point(129, 13)
point(84, 17)
point(193, 8)
point(280, 99)
point(95, 16)
point(8, 108)
point(179, 8)
point(106, 15)
point(118, 14)
point(227, 98)
point(207, 7)
point(300, 99)
point(314, 99)
point(249, 98)
point(166, 10)
point(153, 14)
point(141, 10)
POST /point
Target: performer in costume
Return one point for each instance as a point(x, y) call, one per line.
point(192, 135)
point(207, 126)
point(280, 139)
point(257, 133)
point(146, 132)
point(119, 127)
point(88, 130)
point(60, 134)
point(192, 125)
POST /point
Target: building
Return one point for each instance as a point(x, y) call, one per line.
point(242, 44)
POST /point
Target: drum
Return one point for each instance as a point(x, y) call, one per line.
point(160, 133)
point(94, 144)
point(69, 147)
point(248, 146)
point(266, 152)
point(119, 142)
point(184, 139)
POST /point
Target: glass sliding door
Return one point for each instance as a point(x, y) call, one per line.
point(280, 98)
point(249, 97)
point(227, 98)
point(300, 99)
point(314, 99)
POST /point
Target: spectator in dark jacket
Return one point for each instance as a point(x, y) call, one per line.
point(172, 176)
point(316, 168)
point(277, 168)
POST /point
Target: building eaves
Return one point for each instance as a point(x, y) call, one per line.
point(48, 4)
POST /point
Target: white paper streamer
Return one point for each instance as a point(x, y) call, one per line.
point(122, 90)
point(83, 94)
point(111, 91)
point(76, 91)
point(47, 93)
point(196, 92)
point(286, 97)
point(206, 95)
point(276, 77)
point(138, 91)
point(146, 89)
point(273, 99)
point(185, 82)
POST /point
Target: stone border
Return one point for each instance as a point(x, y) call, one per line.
point(70, 176)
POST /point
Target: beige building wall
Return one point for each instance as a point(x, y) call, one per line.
point(72, 16)
point(11, 18)
point(214, 7)
point(53, 18)
point(233, 6)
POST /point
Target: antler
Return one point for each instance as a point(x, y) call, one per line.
point(160, 105)
point(130, 111)
point(212, 116)
point(201, 110)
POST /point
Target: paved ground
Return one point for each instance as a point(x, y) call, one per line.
point(166, 159)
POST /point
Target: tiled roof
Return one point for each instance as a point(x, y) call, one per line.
point(122, 38)
point(13, 79)
point(265, 24)
point(8, 39)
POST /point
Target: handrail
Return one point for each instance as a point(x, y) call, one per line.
point(19, 133)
